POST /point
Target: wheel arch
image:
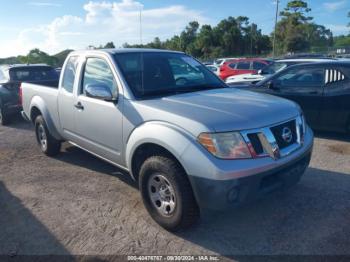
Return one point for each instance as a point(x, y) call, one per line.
point(39, 107)
point(152, 139)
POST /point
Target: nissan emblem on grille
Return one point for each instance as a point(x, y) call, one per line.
point(287, 134)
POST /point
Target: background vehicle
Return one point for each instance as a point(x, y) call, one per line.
point(220, 61)
point(242, 66)
point(321, 89)
point(270, 69)
point(11, 77)
point(213, 68)
point(130, 108)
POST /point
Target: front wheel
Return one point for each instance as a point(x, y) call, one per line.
point(48, 144)
point(167, 193)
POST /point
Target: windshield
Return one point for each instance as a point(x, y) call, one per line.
point(162, 73)
point(36, 73)
point(273, 68)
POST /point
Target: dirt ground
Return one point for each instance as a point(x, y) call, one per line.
point(76, 204)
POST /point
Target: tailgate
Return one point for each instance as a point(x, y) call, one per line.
point(11, 91)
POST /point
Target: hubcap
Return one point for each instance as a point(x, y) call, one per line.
point(162, 194)
point(42, 137)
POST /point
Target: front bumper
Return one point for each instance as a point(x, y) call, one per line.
point(218, 184)
point(221, 194)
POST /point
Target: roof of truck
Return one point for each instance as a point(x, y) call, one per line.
point(126, 50)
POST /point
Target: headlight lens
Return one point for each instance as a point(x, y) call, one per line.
point(229, 145)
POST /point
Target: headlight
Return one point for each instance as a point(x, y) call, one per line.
point(229, 145)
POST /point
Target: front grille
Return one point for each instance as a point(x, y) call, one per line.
point(255, 142)
point(277, 131)
point(275, 141)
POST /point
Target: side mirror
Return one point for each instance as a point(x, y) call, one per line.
point(260, 72)
point(99, 91)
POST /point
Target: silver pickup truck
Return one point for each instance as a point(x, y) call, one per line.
point(190, 142)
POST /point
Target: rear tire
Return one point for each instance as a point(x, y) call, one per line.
point(4, 118)
point(48, 144)
point(167, 193)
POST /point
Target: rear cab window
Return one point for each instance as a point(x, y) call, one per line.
point(69, 74)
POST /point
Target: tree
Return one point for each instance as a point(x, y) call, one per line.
point(36, 56)
point(231, 37)
point(296, 32)
point(109, 45)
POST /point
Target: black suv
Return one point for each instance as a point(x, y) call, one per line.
point(11, 77)
point(321, 89)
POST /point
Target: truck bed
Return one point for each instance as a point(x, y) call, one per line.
point(45, 83)
point(41, 95)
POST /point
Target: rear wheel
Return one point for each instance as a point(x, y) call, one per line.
point(4, 118)
point(48, 144)
point(167, 193)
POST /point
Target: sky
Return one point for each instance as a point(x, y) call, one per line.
point(55, 25)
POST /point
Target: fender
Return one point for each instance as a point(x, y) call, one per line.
point(39, 103)
point(171, 137)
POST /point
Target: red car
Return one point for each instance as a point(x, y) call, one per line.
point(242, 66)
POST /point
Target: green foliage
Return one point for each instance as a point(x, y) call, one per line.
point(296, 32)
point(9, 60)
point(36, 56)
point(108, 45)
point(61, 57)
point(231, 37)
point(341, 41)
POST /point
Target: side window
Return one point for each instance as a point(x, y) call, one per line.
point(97, 71)
point(258, 65)
point(243, 66)
point(301, 78)
point(69, 74)
point(334, 76)
point(233, 65)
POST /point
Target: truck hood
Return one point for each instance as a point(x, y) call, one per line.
point(219, 110)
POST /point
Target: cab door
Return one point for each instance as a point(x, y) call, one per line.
point(99, 122)
point(303, 85)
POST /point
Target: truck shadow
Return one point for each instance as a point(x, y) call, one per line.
point(21, 233)
point(17, 122)
point(76, 156)
point(333, 136)
point(311, 218)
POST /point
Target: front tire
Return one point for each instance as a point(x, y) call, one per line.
point(48, 144)
point(167, 193)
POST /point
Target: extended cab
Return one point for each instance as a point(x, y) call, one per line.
point(188, 140)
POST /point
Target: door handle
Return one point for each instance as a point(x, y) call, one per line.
point(79, 106)
point(313, 93)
